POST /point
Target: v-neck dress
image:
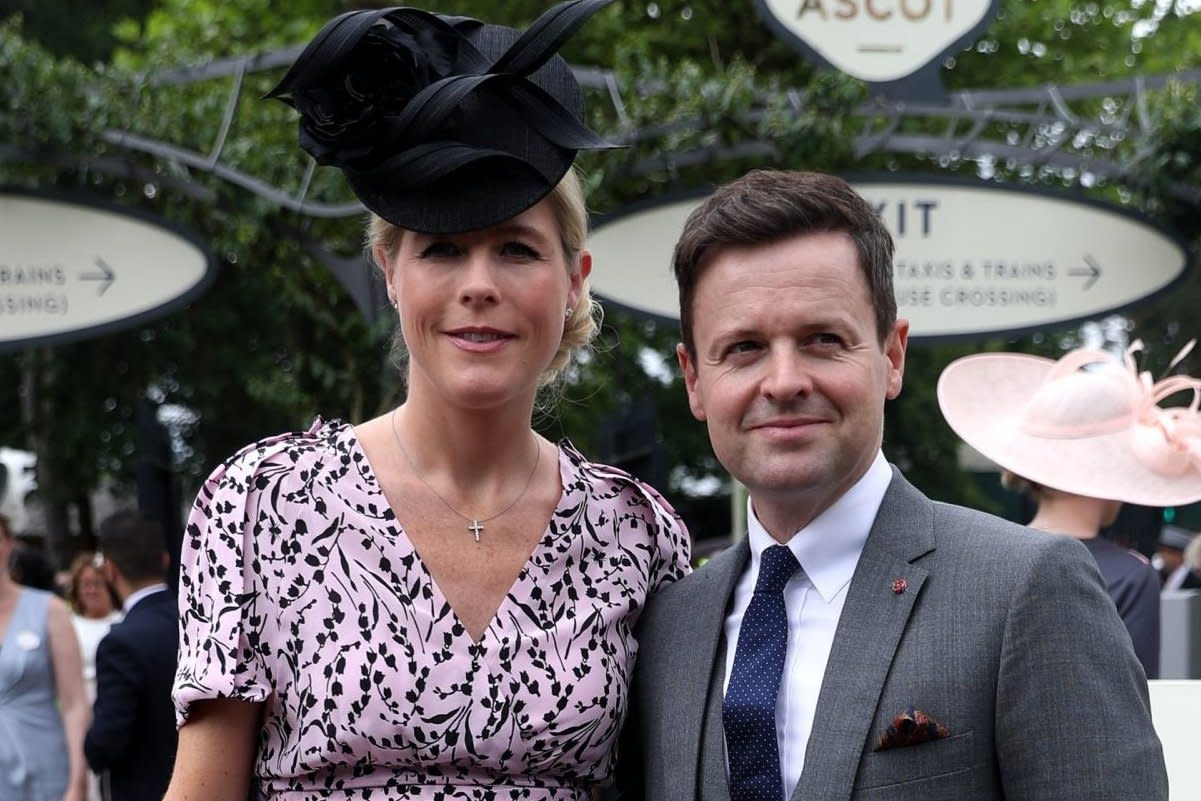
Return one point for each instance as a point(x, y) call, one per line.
point(299, 589)
point(33, 743)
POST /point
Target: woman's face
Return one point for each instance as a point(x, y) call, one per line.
point(482, 312)
point(94, 599)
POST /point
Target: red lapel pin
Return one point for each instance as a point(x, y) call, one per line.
point(899, 586)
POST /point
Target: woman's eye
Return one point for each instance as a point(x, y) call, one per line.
point(439, 250)
point(519, 250)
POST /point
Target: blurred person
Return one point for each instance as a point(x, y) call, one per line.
point(1174, 569)
point(1192, 561)
point(95, 608)
point(30, 567)
point(132, 740)
point(436, 603)
point(1083, 435)
point(43, 704)
point(862, 641)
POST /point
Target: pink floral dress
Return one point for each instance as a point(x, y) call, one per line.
point(299, 589)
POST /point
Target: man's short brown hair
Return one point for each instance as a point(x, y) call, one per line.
point(767, 206)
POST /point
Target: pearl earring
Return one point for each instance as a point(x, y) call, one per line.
point(568, 312)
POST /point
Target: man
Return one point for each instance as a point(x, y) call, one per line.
point(133, 737)
point(1175, 573)
point(862, 642)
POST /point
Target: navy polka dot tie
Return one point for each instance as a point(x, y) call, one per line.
point(749, 709)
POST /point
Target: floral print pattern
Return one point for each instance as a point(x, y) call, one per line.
point(299, 589)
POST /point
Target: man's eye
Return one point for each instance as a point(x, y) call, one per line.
point(746, 346)
point(827, 338)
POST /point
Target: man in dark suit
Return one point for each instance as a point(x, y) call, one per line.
point(132, 739)
point(861, 641)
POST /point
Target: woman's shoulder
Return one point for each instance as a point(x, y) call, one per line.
point(33, 598)
point(606, 482)
point(322, 440)
point(291, 464)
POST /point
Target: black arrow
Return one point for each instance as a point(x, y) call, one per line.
point(1093, 271)
point(106, 276)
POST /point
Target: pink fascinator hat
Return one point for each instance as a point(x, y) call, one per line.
point(1090, 423)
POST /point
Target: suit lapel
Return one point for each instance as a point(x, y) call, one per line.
point(872, 622)
point(715, 785)
point(692, 702)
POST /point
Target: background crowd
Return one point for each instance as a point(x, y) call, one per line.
point(85, 708)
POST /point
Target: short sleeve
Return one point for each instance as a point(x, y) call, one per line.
point(666, 538)
point(219, 617)
point(672, 557)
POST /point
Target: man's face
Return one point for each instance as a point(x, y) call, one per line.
point(789, 373)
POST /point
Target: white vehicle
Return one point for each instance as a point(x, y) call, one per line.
point(17, 483)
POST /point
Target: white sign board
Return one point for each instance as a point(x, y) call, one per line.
point(72, 269)
point(1175, 710)
point(878, 40)
point(972, 258)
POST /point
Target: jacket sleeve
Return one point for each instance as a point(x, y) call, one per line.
point(1073, 716)
point(119, 675)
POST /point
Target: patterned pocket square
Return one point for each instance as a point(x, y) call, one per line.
point(911, 727)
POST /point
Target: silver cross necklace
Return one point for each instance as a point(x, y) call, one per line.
point(475, 524)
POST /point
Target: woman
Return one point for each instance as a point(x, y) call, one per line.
point(96, 609)
point(1084, 435)
point(1130, 579)
point(43, 711)
point(436, 603)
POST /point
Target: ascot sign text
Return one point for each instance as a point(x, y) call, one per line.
point(878, 41)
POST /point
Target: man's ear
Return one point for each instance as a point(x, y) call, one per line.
point(696, 400)
point(894, 351)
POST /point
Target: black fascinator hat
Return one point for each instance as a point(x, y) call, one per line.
point(442, 124)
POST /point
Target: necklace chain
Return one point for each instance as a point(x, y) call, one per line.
point(475, 524)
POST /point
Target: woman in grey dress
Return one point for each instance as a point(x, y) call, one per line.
point(43, 709)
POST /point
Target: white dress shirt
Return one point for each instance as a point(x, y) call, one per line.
point(132, 599)
point(828, 550)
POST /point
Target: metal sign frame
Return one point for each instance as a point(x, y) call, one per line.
point(101, 205)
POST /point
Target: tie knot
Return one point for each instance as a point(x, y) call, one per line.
point(775, 569)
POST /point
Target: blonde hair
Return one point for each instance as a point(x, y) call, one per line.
point(571, 214)
point(1192, 553)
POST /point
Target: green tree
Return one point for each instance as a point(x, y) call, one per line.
point(79, 29)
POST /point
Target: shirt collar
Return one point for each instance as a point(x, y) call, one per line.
point(137, 595)
point(829, 547)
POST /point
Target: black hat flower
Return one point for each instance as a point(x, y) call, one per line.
point(442, 124)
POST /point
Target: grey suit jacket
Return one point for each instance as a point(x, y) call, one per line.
point(1004, 634)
